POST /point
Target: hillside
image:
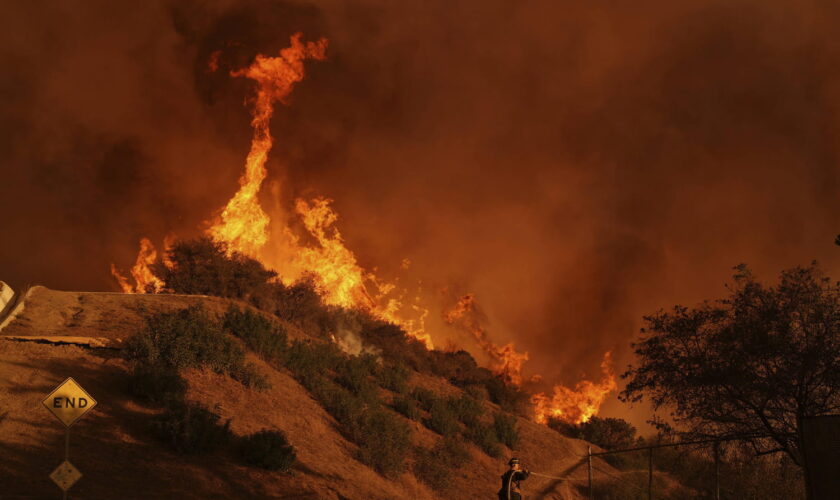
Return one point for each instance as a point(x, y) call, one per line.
point(47, 338)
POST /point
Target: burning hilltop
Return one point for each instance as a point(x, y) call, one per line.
point(320, 254)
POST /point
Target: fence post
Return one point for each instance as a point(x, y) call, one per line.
point(590, 474)
point(717, 470)
point(650, 473)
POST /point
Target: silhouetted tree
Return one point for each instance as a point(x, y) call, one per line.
point(753, 363)
point(203, 266)
point(608, 433)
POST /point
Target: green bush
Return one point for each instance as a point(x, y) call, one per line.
point(441, 418)
point(250, 376)
point(203, 267)
point(436, 467)
point(425, 397)
point(157, 384)
point(265, 338)
point(385, 442)
point(188, 338)
point(355, 374)
point(308, 359)
point(394, 376)
point(347, 408)
point(383, 439)
point(505, 427)
point(477, 392)
point(396, 345)
point(484, 436)
point(608, 433)
point(268, 450)
point(301, 305)
point(431, 470)
point(407, 407)
point(510, 398)
point(190, 428)
point(466, 409)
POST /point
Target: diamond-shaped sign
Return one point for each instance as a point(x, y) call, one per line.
point(65, 475)
point(68, 402)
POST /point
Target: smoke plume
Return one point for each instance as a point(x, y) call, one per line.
point(574, 165)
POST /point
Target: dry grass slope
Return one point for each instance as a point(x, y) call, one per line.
point(112, 448)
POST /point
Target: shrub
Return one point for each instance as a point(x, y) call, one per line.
point(567, 429)
point(608, 433)
point(510, 398)
point(458, 367)
point(268, 450)
point(355, 374)
point(250, 376)
point(308, 359)
point(431, 470)
point(466, 409)
point(505, 427)
point(484, 436)
point(343, 405)
point(407, 407)
point(384, 442)
point(425, 397)
point(453, 452)
point(301, 305)
point(190, 428)
point(383, 439)
point(441, 418)
point(436, 466)
point(157, 384)
point(263, 337)
point(188, 338)
point(396, 345)
point(394, 376)
point(477, 392)
point(204, 267)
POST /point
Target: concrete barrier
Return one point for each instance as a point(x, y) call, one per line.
point(6, 295)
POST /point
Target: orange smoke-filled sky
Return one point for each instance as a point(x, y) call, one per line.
point(574, 164)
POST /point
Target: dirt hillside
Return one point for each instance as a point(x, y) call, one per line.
point(47, 338)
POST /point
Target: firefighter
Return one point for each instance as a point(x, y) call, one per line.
point(511, 479)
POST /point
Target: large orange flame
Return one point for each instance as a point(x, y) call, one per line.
point(576, 405)
point(243, 224)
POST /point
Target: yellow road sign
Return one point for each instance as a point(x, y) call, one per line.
point(68, 402)
point(65, 475)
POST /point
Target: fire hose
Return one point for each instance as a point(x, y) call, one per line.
point(549, 477)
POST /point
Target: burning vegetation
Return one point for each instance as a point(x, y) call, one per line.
point(303, 254)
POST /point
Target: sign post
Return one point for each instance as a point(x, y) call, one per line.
point(68, 402)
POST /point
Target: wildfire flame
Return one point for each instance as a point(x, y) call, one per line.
point(245, 227)
point(576, 405)
point(243, 224)
point(506, 360)
point(144, 278)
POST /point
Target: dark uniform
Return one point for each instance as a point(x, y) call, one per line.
point(510, 484)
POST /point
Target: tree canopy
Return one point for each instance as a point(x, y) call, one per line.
point(751, 364)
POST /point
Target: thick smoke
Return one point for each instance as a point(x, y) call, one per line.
point(575, 165)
